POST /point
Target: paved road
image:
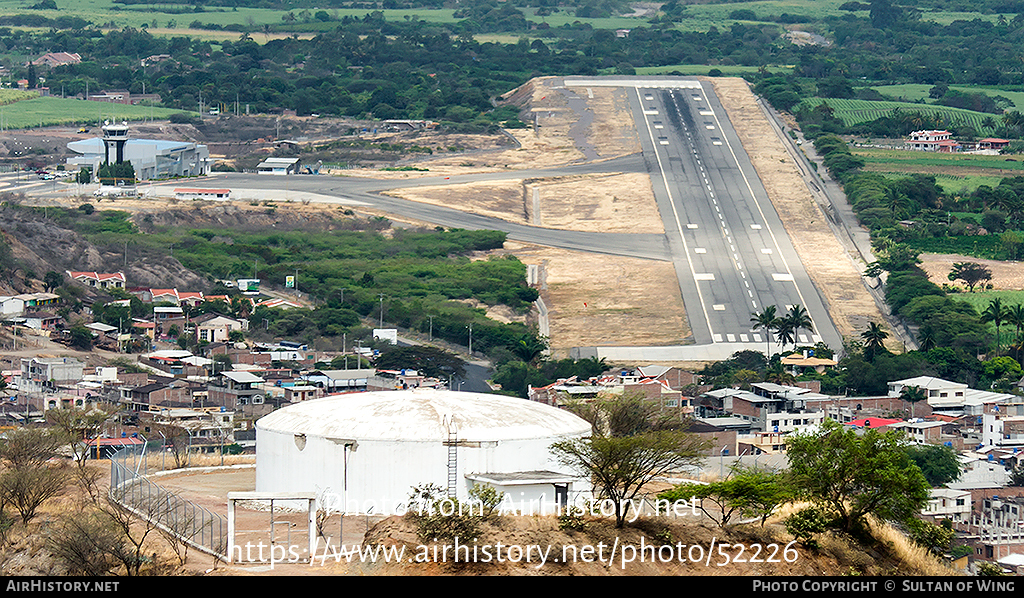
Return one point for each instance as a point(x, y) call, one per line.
point(731, 253)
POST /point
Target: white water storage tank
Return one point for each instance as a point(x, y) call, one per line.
point(369, 449)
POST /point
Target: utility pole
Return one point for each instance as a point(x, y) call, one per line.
point(470, 339)
point(431, 318)
point(381, 295)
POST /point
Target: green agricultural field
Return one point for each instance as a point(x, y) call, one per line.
point(952, 184)
point(908, 159)
point(57, 111)
point(913, 92)
point(980, 300)
point(853, 112)
point(9, 96)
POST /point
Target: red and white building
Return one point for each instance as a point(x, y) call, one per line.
point(933, 141)
point(176, 297)
point(113, 280)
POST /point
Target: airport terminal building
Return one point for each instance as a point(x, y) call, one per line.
point(151, 158)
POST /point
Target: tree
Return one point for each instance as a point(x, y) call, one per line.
point(78, 425)
point(785, 333)
point(747, 491)
point(971, 273)
point(53, 280)
point(621, 466)
point(429, 361)
point(29, 477)
point(529, 348)
point(874, 340)
point(798, 319)
point(997, 314)
point(84, 176)
point(913, 395)
point(81, 337)
point(112, 174)
point(938, 463)
point(1015, 316)
point(767, 320)
point(855, 476)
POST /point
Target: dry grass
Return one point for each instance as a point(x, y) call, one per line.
point(154, 462)
point(836, 274)
point(593, 299)
point(912, 556)
point(1005, 275)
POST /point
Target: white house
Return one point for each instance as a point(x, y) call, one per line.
point(944, 503)
point(217, 328)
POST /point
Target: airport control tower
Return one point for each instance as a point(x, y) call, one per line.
point(115, 135)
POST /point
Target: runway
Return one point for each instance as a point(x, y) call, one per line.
point(731, 254)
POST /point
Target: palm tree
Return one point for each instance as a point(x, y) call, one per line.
point(913, 394)
point(1015, 316)
point(785, 332)
point(997, 314)
point(768, 320)
point(926, 339)
point(874, 339)
point(799, 319)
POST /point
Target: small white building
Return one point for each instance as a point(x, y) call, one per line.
point(278, 166)
point(945, 503)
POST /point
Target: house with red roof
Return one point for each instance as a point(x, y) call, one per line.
point(932, 141)
point(871, 423)
point(113, 280)
point(52, 59)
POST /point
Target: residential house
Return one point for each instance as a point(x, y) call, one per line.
point(233, 389)
point(112, 280)
point(213, 327)
point(176, 297)
point(930, 141)
point(296, 394)
point(334, 381)
point(52, 59)
point(59, 370)
point(41, 320)
point(38, 300)
point(945, 503)
point(209, 429)
point(992, 143)
point(11, 306)
point(157, 395)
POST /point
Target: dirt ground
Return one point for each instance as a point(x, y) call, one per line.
point(592, 299)
point(253, 523)
point(1006, 276)
point(598, 203)
point(838, 277)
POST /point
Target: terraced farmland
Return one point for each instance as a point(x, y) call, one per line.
point(853, 112)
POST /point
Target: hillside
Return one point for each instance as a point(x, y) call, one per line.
point(836, 556)
point(39, 245)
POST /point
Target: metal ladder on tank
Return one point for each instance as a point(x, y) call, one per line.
point(453, 455)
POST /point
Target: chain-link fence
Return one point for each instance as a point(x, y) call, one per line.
point(190, 523)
